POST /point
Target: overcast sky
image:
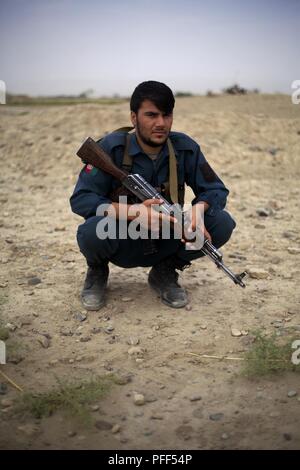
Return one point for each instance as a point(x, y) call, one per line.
point(68, 46)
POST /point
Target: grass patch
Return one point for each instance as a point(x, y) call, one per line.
point(72, 399)
point(269, 355)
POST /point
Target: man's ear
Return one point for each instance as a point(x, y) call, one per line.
point(133, 118)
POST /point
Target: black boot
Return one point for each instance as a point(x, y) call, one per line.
point(94, 289)
point(163, 278)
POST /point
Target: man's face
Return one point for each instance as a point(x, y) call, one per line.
point(152, 125)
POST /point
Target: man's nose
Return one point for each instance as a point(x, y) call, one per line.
point(160, 120)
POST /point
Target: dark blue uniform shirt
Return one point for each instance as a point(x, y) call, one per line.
point(94, 185)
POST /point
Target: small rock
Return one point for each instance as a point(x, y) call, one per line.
point(72, 433)
point(257, 273)
point(3, 284)
point(94, 407)
point(225, 436)
point(216, 416)
point(292, 393)
point(135, 351)
point(33, 281)
point(273, 151)
point(80, 316)
point(156, 416)
point(109, 329)
point(103, 425)
point(66, 332)
point(262, 212)
point(188, 308)
point(293, 250)
point(133, 341)
point(85, 339)
point(126, 299)
point(195, 398)
point(45, 342)
point(203, 327)
point(10, 326)
point(235, 332)
point(289, 235)
point(244, 332)
point(15, 358)
point(123, 379)
point(139, 399)
point(116, 428)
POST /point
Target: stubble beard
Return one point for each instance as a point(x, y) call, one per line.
point(148, 141)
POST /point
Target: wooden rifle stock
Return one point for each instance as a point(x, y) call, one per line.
point(90, 152)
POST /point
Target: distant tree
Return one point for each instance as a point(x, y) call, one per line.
point(235, 90)
point(86, 94)
point(182, 94)
point(210, 94)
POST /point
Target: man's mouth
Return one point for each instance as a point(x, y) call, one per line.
point(159, 133)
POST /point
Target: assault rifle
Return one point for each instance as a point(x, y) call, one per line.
point(90, 152)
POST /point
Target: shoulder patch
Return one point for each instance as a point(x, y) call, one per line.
point(91, 170)
point(208, 173)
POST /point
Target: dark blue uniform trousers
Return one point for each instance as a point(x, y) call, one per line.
point(130, 253)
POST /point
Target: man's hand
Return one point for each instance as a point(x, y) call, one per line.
point(149, 218)
point(196, 217)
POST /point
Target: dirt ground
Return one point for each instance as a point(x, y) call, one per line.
point(253, 143)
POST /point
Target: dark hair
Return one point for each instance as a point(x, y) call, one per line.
point(159, 93)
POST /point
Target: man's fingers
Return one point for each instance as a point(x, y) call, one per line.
point(167, 218)
point(149, 202)
point(207, 235)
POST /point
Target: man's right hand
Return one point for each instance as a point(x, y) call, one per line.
point(149, 217)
